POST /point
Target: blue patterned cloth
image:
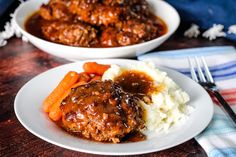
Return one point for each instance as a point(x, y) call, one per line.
point(4, 4)
point(219, 138)
point(205, 13)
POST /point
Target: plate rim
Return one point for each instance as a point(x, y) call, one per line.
point(104, 152)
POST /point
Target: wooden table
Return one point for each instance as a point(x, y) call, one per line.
point(20, 62)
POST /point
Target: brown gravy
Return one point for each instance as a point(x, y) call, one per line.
point(134, 137)
point(33, 25)
point(34, 22)
point(135, 82)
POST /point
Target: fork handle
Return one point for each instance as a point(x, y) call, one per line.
point(225, 105)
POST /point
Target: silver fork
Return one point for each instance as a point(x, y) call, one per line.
point(205, 80)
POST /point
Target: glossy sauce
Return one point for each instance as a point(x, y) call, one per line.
point(33, 25)
point(134, 137)
point(102, 104)
point(135, 82)
point(34, 22)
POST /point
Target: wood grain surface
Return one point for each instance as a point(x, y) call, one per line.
point(20, 62)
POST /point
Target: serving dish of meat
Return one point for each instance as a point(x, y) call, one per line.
point(98, 23)
point(85, 29)
point(97, 115)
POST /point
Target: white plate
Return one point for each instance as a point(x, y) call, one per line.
point(28, 109)
point(159, 7)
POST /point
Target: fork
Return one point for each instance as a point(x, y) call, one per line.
point(208, 83)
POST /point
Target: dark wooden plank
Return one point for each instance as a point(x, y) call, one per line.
point(19, 62)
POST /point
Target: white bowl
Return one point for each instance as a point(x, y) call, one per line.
point(160, 8)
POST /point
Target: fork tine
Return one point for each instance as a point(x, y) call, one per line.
point(193, 73)
point(199, 70)
point(207, 71)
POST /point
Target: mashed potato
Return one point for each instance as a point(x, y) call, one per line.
point(168, 103)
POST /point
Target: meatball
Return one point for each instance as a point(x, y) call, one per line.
point(109, 37)
point(140, 29)
point(55, 10)
point(127, 38)
point(101, 111)
point(121, 2)
point(74, 34)
point(112, 37)
point(95, 13)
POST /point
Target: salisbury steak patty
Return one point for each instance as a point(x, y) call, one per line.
point(101, 111)
point(69, 33)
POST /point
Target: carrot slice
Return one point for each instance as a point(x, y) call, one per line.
point(83, 76)
point(95, 78)
point(66, 83)
point(79, 84)
point(95, 68)
point(55, 111)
